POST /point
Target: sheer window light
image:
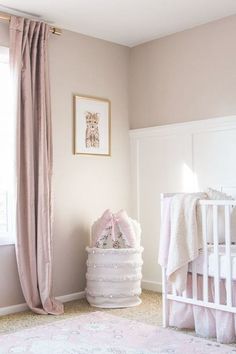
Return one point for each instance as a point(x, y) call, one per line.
point(7, 153)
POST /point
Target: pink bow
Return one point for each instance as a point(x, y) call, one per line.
point(110, 220)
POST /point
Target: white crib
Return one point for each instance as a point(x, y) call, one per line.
point(216, 262)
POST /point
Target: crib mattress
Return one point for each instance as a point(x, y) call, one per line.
point(211, 262)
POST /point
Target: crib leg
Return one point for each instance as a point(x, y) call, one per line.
point(165, 305)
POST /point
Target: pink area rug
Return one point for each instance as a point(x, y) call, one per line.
point(105, 334)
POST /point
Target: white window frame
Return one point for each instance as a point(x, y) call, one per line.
point(7, 237)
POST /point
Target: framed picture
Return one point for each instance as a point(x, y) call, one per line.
point(92, 125)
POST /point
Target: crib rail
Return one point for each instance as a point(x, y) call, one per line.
point(218, 210)
point(217, 202)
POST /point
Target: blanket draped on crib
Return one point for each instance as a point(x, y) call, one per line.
point(181, 236)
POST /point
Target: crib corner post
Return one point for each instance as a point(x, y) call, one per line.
point(165, 305)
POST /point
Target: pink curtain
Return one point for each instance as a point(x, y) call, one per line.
point(29, 65)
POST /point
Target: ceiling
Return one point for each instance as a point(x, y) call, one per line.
point(127, 22)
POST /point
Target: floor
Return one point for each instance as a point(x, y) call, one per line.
point(150, 311)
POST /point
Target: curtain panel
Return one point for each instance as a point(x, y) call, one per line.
point(29, 66)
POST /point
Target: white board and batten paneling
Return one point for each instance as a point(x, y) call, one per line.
point(185, 157)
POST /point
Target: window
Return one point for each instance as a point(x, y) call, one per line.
point(7, 156)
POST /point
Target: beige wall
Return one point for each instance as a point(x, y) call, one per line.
point(83, 185)
point(186, 76)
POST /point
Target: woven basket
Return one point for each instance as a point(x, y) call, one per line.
point(114, 277)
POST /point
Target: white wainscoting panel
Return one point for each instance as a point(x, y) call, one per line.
point(186, 157)
point(162, 164)
point(215, 158)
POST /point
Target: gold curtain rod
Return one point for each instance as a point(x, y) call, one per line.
point(6, 17)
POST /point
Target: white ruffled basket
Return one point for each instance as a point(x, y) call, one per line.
point(114, 277)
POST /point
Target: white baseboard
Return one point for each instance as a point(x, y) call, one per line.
point(23, 307)
point(71, 297)
point(13, 309)
point(152, 285)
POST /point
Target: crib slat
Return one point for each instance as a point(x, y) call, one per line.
point(165, 305)
point(194, 280)
point(205, 254)
point(228, 256)
point(174, 291)
point(216, 255)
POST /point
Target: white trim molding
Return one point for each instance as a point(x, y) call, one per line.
point(24, 307)
point(152, 285)
point(213, 124)
point(71, 297)
point(13, 309)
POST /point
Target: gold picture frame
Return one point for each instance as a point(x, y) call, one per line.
point(92, 126)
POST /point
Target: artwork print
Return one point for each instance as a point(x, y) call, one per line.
point(92, 126)
point(92, 130)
